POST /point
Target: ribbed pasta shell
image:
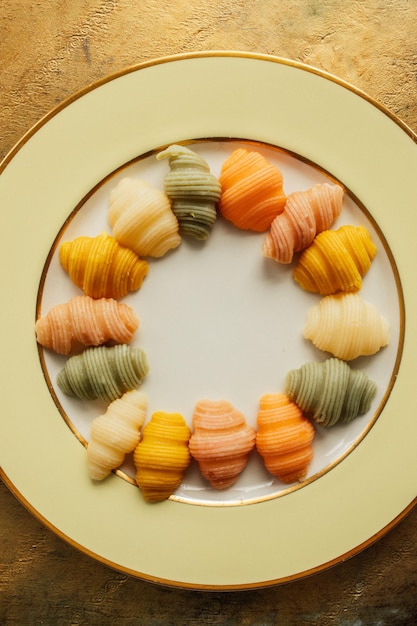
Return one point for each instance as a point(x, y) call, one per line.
point(141, 218)
point(102, 372)
point(347, 326)
point(336, 261)
point(306, 214)
point(192, 189)
point(85, 321)
point(330, 391)
point(162, 456)
point(284, 438)
point(252, 190)
point(115, 434)
point(221, 442)
point(102, 267)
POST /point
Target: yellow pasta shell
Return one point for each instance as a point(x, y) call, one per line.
point(102, 267)
point(162, 456)
point(336, 261)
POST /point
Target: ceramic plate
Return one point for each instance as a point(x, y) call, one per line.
point(217, 319)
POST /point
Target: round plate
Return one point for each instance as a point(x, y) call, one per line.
point(57, 164)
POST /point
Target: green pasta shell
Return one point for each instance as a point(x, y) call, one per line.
point(102, 372)
point(330, 391)
point(192, 190)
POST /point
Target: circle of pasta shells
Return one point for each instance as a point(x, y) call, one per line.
point(94, 329)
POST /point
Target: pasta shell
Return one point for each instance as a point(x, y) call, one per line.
point(336, 261)
point(306, 214)
point(102, 267)
point(347, 326)
point(252, 191)
point(221, 442)
point(192, 189)
point(105, 373)
point(284, 438)
point(330, 391)
point(115, 434)
point(162, 457)
point(84, 321)
point(141, 218)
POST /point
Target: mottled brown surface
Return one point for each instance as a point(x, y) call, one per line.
point(51, 48)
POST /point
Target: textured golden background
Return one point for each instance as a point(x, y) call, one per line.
point(49, 49)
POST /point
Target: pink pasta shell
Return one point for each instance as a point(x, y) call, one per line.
point(85, 321)
point(221, 442)
point(306, 213)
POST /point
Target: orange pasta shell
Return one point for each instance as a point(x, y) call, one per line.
point(284, 438)
point(252, 191)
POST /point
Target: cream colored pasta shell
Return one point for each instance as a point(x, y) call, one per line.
point(115, 433)
point(141, 218)
point(346, 326)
